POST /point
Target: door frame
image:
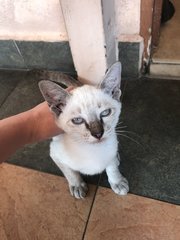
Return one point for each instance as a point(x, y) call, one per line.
point(156, 22)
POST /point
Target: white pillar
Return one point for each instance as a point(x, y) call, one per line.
point(90, 27)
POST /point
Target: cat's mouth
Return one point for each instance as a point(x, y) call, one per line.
point(98, 141)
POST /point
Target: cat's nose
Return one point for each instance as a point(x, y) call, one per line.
point(98, 135)
point(96, 129)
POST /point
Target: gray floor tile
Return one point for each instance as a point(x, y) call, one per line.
point(151, 110)
point(8, 81)
point(24, 96)
point(35, 156)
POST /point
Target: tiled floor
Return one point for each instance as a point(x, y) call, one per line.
point(34, 205)
point(132, 217)
point(37, 205)
point(166, 57)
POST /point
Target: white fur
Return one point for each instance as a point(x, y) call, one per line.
point(86, 158)
point(78, 151)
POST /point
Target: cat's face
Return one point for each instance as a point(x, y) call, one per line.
point(87, 114)
point(90, 115)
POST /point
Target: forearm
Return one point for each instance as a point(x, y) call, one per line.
point(15, 132)
point(34, 125)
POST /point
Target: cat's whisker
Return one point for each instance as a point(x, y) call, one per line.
point(119, 134)
point(119, 123)
point(125, 131)
point(99, 84)
point(118, 127)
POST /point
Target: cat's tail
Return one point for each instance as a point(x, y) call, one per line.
point(58, 77)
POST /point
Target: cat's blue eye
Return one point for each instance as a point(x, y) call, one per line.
point(78, 120)
point(105, 113)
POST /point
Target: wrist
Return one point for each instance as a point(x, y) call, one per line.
point(27, 126)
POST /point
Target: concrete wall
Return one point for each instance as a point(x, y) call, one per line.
point(32, 20)
point(42, 19)
point(127, 17)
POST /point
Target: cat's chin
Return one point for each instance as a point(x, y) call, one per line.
point(98, 141)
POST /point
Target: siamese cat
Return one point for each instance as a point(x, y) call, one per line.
point(88, 116)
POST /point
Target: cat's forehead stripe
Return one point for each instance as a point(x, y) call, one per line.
point(78, 109)
point(99, 104)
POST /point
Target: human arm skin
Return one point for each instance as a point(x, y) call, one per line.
point(28, 127)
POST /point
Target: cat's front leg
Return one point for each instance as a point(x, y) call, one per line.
point(118, 183)
point(78, 188)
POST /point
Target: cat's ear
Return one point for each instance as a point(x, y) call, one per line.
point(54, 95)
point(111, 81)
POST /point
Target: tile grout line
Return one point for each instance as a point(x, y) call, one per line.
point(9, 94)
point(87, 222)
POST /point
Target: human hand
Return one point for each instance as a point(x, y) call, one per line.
point(44, 125)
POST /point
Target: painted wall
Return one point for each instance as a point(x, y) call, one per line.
point(43, 20)
point(127, 17)
point(32, 20)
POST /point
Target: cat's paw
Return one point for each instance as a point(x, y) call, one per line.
point(79, 191)
point(120, 188)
